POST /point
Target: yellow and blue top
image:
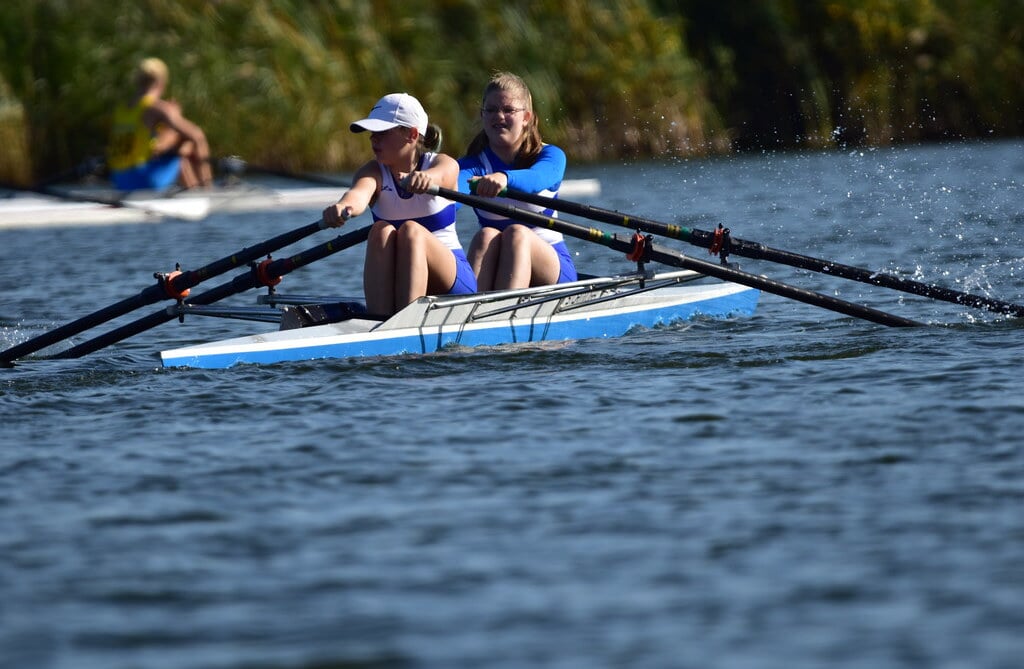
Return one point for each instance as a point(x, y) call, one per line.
point(131, 141)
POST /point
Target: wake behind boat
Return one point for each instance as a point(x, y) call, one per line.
point(591, 308)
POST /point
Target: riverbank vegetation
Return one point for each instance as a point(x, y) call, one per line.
point(278, 81)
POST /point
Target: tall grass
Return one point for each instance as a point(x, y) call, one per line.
point(278, 81)
point(823, 72)
point(15, 166)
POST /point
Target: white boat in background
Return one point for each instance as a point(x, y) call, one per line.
point(105, 207)
point(101, 206)
point(591, 308)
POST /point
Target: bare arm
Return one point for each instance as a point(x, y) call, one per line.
point(168, 114)
point(444, 172)
point(356, 199)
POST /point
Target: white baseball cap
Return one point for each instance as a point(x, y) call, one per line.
point(393, 110)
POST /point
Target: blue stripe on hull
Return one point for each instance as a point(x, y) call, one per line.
point(431, 339)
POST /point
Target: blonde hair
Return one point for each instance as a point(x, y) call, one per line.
point(150, 71)
point(532, 142)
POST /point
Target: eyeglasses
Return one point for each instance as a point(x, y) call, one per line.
point(507, 111)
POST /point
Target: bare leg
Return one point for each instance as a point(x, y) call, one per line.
point(379, 269)
point(526, 260)
point(484, 253)
point(187, 177)
point(196, 155)
point(424, 265)
point(201, 160)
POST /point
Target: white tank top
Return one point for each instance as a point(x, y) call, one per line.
point(396, 205)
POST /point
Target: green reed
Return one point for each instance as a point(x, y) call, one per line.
point(278, 81)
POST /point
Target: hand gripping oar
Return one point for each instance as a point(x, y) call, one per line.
point(168, 286)
point(677, 259)
point(761, 252)
point(264, 274)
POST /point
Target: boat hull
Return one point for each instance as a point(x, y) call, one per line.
point(435, 323)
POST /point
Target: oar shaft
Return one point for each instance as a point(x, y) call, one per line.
point(158, 291)
point(88, 166)
point(672, 257)
point(233, 287)
point(46, 188)
point(71, 329)
point(677, 259)
point(758, 251)
point(237, 165)
point(882, 279)
point(191, 278)
point(239, 284)
point(192, 209)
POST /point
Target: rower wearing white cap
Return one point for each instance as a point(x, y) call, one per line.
point(413, 249)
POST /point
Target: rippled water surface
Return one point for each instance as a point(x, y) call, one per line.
point(795, 489)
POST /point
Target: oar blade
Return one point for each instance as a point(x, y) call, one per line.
point(186, 208)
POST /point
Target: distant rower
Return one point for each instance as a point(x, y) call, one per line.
point(151, 143)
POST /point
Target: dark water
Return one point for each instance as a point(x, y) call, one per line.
point(797, 489)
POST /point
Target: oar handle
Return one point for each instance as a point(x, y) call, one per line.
point(671, 257)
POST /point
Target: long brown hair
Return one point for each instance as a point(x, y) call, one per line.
point(431, 139)
point(532, 143)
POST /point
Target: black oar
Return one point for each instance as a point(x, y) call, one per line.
point(88, 166)
point(191, 209)
point(235, 165)
point(168, 286)
point(761, 252)
point(677, 259)
point(261, 275)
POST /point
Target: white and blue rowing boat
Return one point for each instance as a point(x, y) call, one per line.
point(590, 308)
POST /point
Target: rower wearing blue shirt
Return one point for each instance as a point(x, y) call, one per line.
point(509, 153)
